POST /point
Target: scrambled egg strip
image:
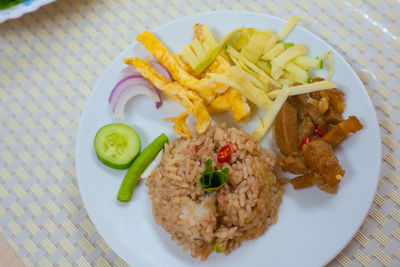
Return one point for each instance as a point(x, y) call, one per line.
point(180, 94)
point(219, 104)
point(180, 126)
point(204, 87)
point(231, 100)
point(240, 109)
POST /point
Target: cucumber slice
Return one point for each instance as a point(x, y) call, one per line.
point(116, 145)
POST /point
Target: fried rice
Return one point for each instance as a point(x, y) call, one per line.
point(242, 209)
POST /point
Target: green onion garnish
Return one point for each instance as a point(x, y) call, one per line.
point(287, 45)
point(220, 246)
point(211, 180)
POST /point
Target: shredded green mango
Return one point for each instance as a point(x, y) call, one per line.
point(199, 55)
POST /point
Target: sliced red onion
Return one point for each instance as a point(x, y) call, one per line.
point(160, 69)
point(134, 84)
point(129, 87)
point(130, 70)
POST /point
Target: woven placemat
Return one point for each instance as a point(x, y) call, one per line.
point(50, 61)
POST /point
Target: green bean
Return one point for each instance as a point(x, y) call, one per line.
point(138, 166)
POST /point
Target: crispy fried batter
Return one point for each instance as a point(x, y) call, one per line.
point(302, 181)
point(292, 164)
point(323, 164)
point(341, 130)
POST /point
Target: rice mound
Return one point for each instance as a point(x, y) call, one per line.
point(242, 209)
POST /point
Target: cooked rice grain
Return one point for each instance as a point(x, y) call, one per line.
point(242, 209)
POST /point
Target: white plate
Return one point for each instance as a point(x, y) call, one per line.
point(22, 8)
point(313, 226)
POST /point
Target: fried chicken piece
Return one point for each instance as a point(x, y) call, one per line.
point(305, 129)
point(302, 181)
point(324, 165)
point(286, 129)
point(341, 130)
point(292, 164)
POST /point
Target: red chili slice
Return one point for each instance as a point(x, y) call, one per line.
point(319, 132)
point(305, 141)
point(224, 154)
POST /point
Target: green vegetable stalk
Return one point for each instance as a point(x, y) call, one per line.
point(138, 166)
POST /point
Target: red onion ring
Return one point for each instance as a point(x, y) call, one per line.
point(129, 87)
point(130, 70)
point(134, 84)
point(161, 69)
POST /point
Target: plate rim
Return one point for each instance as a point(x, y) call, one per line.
point(21, 9)
point(233, 12)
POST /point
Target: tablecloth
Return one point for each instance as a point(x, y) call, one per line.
point(51, 59)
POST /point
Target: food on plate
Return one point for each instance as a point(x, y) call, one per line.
point(216, 187)
point(306, 128)
point(252, 65)
point(138, 166)
point(117, 145)
point(209, 197)
point(245, 65)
